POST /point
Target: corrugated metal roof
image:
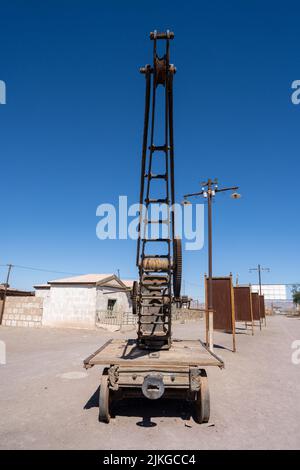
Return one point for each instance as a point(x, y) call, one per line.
point(93, 279)
point(83, 279)
point(105, 280)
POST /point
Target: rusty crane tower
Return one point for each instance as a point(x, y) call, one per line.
point(150, 365)
point(158, 258)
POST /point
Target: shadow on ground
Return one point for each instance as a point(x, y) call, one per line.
point(146, 409)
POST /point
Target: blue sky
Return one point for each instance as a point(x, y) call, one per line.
point(71, 131)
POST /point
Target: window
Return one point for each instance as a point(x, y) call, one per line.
point(111, 303)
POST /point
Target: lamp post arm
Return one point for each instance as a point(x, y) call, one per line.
point(233, 188)
point(193, 194)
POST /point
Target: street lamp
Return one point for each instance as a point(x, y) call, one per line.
point(209, 190)
point(186, 202)
point(259, 270)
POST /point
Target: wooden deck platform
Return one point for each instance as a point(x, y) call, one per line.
point(183, 353)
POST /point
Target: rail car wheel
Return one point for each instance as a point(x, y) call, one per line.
point(104, 400)
point(202, 402)
point(177, 272)
point(134, 297)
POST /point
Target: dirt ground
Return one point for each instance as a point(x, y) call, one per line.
point(48, 401)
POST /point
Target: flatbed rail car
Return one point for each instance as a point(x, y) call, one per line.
point(176, 373)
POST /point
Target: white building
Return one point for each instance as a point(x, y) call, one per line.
point(77, 301)
point(272, 291)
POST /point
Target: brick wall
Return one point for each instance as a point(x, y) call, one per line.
point(23, 311)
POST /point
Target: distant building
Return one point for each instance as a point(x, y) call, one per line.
point(272, 291)
point(76, 301)
point(10, 291)
point(20, 307)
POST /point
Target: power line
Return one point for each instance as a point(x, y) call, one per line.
point(41, 269)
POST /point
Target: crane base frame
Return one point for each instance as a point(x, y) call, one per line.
point(175, 373)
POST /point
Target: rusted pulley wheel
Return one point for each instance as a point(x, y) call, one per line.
point(156, 264)
point(134, 294)
point(177, 270)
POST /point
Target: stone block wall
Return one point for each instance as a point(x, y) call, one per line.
point(70, 306)
point(23, 311)
point(187, 314)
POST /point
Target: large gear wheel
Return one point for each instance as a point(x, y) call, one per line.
point(134, 294)
point(177, 270)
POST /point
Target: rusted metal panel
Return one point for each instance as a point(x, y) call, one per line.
point(262, 310)
point(242, 303)
point(222, 303)
point(255, 305)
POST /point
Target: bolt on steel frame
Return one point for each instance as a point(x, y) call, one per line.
point(159, 267)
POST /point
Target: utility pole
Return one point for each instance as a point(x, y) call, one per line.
point(118, 271)
point(259, 269)
point(209, 190)
point(5, 291)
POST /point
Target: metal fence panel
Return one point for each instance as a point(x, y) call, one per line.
point(255, 306)
point(109, 317)
point(262, 308)
point(222, 303)
point(242, 303)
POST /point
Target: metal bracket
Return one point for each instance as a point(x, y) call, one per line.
point(195, 379)
point(113, 375)
point(154, 355)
